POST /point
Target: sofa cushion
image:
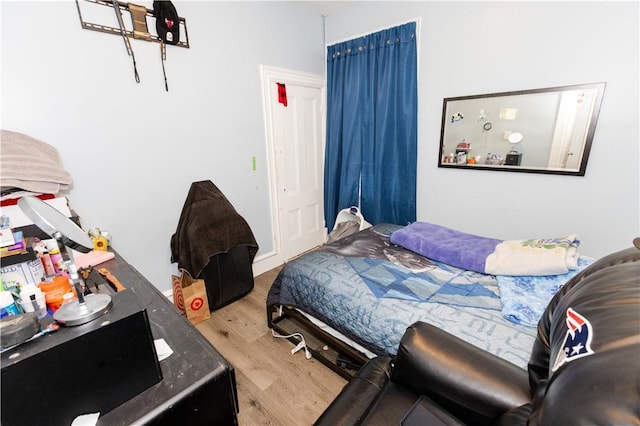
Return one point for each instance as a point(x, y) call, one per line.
point(540, 355)
point(475, 385)
point(354, 401)
point(594, 336)
point(391, 406)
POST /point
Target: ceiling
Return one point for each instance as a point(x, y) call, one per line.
point(323, 7)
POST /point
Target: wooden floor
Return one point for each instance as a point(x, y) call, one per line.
point(274, 386)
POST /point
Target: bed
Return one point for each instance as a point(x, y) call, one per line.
point(353, 299)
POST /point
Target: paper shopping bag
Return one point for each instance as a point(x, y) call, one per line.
point(178, 298)
point(190, 297)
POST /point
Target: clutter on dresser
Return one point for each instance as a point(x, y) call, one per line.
point(68, 236)
point(37, 279)
point(110, 367)
point(41, 275)
point(50, 295)
point(61, 301)
point(100, 239)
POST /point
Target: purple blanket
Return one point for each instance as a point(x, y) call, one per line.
point(446, 245)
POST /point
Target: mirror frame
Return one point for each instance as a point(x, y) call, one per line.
point(447, 119)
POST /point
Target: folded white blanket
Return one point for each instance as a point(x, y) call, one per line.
point(30, 164)
point(534, 257)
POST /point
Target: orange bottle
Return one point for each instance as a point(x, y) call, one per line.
point(55, 290)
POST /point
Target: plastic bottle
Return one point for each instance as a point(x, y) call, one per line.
point(32, 299)
point(55, 290)
point(7, 304)
point(56, 260)
point(68, 297)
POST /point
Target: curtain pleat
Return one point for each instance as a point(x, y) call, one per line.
point(372, 126)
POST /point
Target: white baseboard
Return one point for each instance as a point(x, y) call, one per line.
point(168, 294)
point(266, 262)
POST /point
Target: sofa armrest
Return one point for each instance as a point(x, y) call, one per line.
point(467, 381)
point(355, 399)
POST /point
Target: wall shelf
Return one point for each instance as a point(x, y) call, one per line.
point(124, 7)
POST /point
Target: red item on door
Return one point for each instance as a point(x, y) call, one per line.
point(282, 94)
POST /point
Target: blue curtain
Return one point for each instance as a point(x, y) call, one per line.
point(371, 147)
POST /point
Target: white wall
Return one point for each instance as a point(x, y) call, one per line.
point(134, 149)
point(469, 48)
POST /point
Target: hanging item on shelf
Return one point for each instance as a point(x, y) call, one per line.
point(139, 19)
point(178, 29)
point(168, 26)
point(167, 21)
point(163, 57)
point(127, 42)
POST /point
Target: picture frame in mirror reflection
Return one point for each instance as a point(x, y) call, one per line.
point(548, 130)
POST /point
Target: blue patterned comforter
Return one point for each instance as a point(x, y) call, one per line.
point(524, 298)
point(371, 291)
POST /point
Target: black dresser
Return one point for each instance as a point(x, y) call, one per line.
point(195, 385)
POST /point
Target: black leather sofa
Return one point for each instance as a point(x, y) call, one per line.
point(437, 378)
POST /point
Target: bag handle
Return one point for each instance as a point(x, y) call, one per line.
point(185, 278)
point(184, 272)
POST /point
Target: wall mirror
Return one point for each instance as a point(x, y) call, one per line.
point(546, 130)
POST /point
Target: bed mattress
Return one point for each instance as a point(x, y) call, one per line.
point(371, 291)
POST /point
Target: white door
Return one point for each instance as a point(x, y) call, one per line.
point(297, 131)
point(572, 125)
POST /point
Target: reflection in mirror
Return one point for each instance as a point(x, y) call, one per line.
point(537, 131)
